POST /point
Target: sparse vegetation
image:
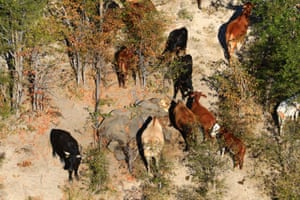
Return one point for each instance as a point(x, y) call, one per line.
point(237, 107)
point(205, 166)
point(98, 166)
point(185, 14)
point(75, 193)
point(188, 192)
point(269, 72)
point(157, 185)
point(282, 156)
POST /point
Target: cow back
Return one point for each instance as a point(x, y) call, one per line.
point(63, 141)
point(177, 40)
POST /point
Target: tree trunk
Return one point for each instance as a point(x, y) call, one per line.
point(97, 65)
point(142, 68)
point(75, 62)
point(14, 60)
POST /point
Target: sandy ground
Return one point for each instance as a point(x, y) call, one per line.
point(30, 172)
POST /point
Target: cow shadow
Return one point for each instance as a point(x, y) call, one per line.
point(139, 139)
point(223, 27)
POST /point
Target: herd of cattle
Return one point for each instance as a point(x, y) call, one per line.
point(188, 118)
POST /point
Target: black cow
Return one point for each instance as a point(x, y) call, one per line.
point(66, 147)
point(183, 75)
point(177, 41)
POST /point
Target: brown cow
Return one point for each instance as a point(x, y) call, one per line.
point(185, 121)
point(126, 60)
point(204, 116)
point(232, 144)
point(237, 29)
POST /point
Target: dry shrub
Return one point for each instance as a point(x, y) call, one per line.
point(25, 163)
point(73, 192)
point(188, 192)
point(238, 109)
point(98, 169)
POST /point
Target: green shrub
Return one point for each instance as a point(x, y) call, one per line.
point(98, 169)
point(158, 185)
point(205, 166)
point(274, 54)
point(237, 107)
point(285, 183)
point(75, 193)
point(188, 192)
point(281, 156)
point(184, 14)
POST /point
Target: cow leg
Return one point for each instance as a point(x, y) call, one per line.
point(176, 88)
point(70, 175)
point(199, 4)
point(231, 48)
point(223, 151)
point(157, 162)
point(122, 80)
point(182, 91)
point(207, 135)
point(236, 160)
point(184, 135)
point(119, 75)
point(241, 161)
point(76, 174)
point(134, 76)
point(148, 164)
point(281, 132)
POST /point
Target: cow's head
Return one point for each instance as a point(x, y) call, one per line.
point(72, 161)
point(196, 95)
point(247, 8)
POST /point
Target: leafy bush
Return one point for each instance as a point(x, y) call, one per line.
point(184, 14)
point(205, 167)
point(5, 110)
point(237, 106)
point(285, 181)
point(98, 166)
point(158, 186)
point(274, 54)
point(75, 193)
point(281, 156)
point(189, 192)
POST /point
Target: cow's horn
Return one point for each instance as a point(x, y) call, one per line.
point(78, 156)
point(67, 153)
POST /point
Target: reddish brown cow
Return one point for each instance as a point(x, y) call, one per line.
point(126, 60)
point(232, 144)
point(237, 29)
point(205, 117)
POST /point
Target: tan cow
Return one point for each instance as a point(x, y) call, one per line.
point(153, 142)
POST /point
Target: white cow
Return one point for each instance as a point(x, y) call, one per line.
point(287, 109)
point(153, 142)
